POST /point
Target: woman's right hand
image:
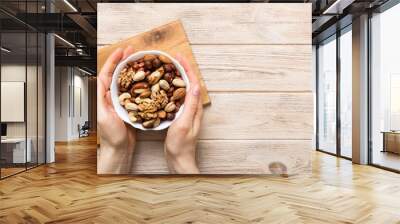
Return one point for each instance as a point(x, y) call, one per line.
point(180, 144)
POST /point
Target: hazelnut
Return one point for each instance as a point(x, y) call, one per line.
point(148, 65)
point(162, 114)
point(156, 63)
point(169, 67)
point(170, 116)
point(169, 77)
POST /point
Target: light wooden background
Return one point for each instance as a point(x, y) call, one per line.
point(256, 61)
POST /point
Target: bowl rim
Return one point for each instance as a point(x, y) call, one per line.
point(123, 114)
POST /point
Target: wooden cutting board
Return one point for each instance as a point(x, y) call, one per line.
point(170, 38)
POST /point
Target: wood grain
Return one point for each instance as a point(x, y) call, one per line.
point(240, 23)
point(249, 157)
point(283, 68)
point(170, 37)
point(247, 116)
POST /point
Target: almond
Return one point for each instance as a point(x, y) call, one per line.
point(149, 57)
point(149, 123)
point(178, 94)
point(164, 59)
point(170, 107)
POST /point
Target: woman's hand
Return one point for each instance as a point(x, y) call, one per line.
point(180, 144)
point(117, 139)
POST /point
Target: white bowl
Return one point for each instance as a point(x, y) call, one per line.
point(123, 114)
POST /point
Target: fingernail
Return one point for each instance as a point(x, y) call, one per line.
point(196, 90)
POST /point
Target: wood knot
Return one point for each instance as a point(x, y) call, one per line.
point(155, 37)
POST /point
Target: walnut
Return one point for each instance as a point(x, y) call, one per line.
point(148, 106)
point(125, 80)
point(160, 98)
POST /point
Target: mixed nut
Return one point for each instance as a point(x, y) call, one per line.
point(151, 89)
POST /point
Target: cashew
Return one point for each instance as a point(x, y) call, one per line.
point(123, 97)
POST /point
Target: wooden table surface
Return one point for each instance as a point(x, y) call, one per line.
point(256, 62)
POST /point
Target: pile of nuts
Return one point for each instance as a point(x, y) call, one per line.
point(151, 89)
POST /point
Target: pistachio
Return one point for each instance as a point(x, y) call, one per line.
point(155, 88)
point(169, 67)
point(149, 123)
point(131, 106)
point(132, 117)
point(178, 82)
point(156, 123)
point(170, 107)
point(138, 76)
point(164, 84)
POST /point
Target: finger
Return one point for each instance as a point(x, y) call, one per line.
point(109, 67)
point(108, 101)
point(128, 51)
point(198, 116)
point(100, 93)
point(191, 103)
point(189, 72)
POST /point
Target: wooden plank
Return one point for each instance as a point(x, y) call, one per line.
point(249, 157)
point(254, 116)
point(170, 38)
point(284, 68)
point(212, 23)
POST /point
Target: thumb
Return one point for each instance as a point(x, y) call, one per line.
point(191, 103)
